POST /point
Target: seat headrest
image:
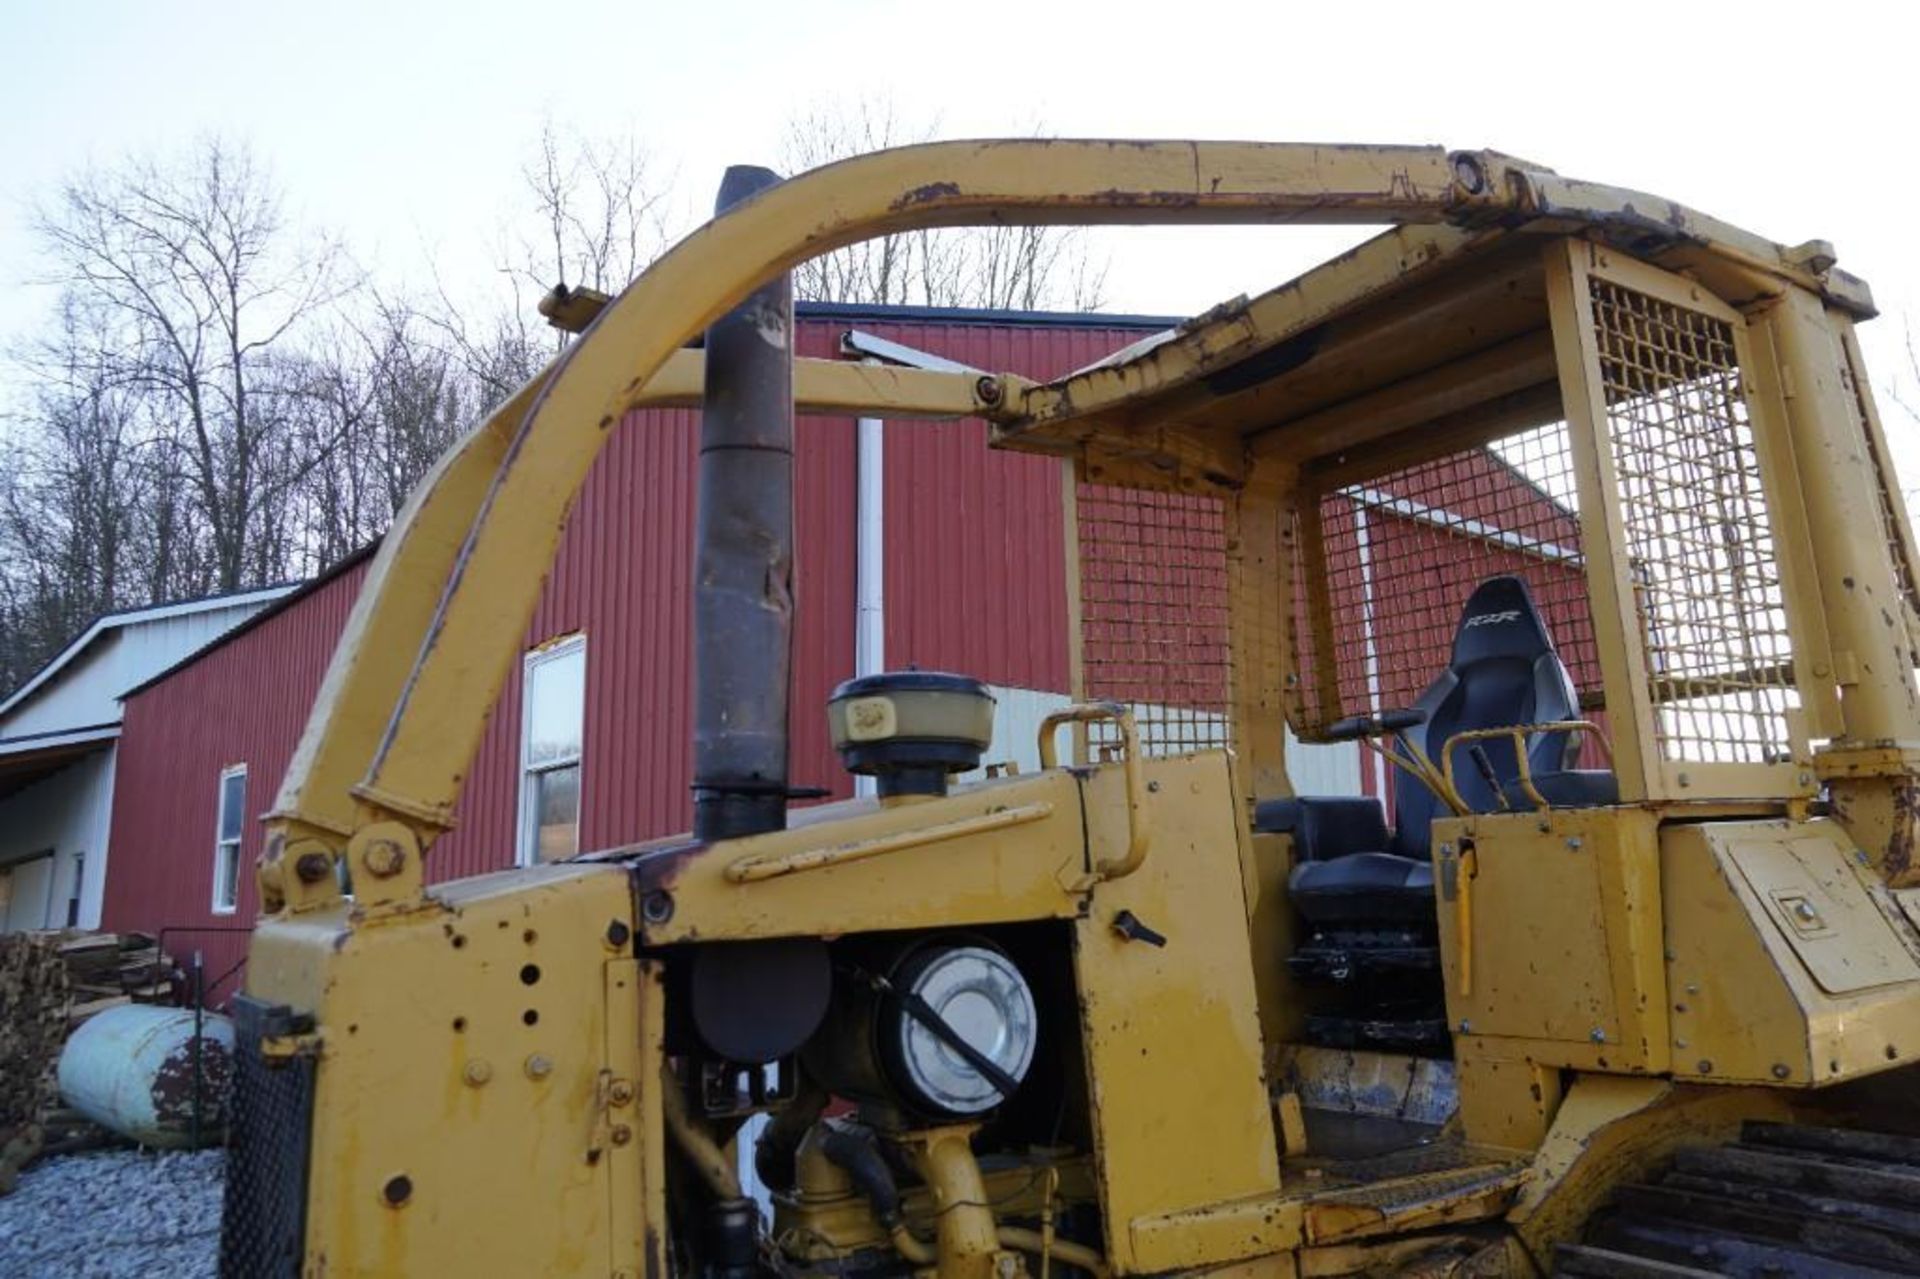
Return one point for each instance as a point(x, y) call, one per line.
point(1499, 621)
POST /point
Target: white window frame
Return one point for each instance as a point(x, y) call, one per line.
point(527, 842)
point(220, 845)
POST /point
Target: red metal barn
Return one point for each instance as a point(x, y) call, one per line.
point(589, 745)
point(974, 580)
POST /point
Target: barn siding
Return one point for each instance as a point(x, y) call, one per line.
point(975, 581)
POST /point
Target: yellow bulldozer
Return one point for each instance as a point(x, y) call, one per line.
point(1569, 503)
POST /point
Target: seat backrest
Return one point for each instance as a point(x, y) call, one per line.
point(1504, 671)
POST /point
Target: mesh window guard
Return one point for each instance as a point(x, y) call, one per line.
point(1706, 579)
point(1153, 614)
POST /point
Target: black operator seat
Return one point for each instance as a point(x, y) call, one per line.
point(1504, 671)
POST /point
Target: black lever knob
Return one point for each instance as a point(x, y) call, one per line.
point(1128, 925)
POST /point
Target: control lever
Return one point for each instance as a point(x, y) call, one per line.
point(1128, 925)
point(1354, 727)
point(1484, 763)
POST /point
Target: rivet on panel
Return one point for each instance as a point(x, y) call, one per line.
point(478, 1072)
point(539, 1066)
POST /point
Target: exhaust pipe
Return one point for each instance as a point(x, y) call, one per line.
point(743, 557)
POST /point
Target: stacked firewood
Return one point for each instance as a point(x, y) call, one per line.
point(33, 1026)
point(49, 984)
point(106, 970)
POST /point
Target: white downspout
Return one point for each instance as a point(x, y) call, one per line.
point(1372, 654)
point(870, 559)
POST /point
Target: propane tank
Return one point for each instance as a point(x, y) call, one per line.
point(131, 1070)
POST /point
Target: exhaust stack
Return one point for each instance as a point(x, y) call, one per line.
point(743, 557)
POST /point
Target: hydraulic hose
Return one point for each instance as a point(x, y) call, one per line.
point(773, 1157)
point(859, 1157)
point(701, 1150)
point(1074, 1254)
point(861, 1160)
point(921, 1253)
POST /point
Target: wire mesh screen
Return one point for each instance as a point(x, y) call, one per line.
point(1153, 613)
point(1706, 579)
point(1402, 552)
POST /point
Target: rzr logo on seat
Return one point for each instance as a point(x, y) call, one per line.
point(1493, 619)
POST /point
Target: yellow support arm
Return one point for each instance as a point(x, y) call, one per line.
point(439, 620)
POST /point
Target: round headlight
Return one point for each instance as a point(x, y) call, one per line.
point(985, 1001)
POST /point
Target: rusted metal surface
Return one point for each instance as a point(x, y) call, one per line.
point(137, 1071)
point(743, 557)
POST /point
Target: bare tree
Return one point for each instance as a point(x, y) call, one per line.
point(594, 217)
point(598, 208)
point(390, 400)
point(85, 498)
point(193, 269)
point(1001, 267)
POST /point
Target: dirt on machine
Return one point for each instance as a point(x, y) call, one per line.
point(1568, 504)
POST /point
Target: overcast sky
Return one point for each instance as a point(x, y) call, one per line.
point(402, 126)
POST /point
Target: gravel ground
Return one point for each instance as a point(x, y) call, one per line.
point(115, 1213)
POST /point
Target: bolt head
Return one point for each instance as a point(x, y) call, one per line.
point(311, 868)
point(478, 1072)
point(620, 1093)
point(385, 858)
point(539, 1066)
point(621, 1134)
point(1597, 1035)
